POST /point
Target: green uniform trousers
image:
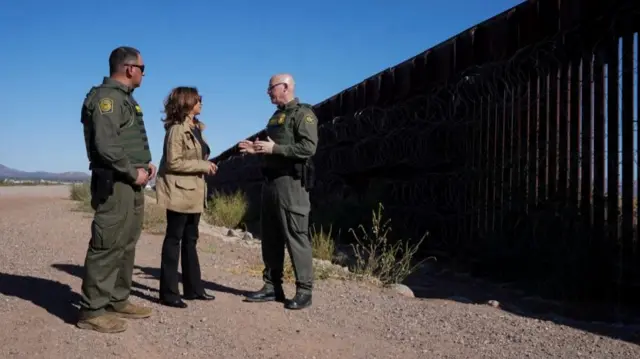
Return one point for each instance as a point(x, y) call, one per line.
point(284, 220)
point(115, 230)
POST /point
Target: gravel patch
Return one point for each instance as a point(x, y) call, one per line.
point(41, 260)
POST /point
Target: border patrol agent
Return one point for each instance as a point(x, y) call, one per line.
point(120, 163)
point(292, 137)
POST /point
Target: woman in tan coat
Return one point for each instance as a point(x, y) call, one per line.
point(182, 189)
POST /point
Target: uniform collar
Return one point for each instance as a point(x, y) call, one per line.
point(289, 105)
point(109, 82)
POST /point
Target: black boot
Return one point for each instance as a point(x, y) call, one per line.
point(299, 301)
point(266, 294)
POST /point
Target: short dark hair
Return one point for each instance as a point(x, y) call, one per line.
point(121, 56)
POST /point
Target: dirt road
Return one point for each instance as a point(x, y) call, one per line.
point(43, 246)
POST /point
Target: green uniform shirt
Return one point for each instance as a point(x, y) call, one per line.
point(294, 129)
point(114, 130)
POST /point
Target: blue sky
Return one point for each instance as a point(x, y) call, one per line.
point(53, 52)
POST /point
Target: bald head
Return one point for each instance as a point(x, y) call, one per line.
point(283, 78)
point(281, 88)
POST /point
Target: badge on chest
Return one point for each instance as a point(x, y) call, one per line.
point(277, 120)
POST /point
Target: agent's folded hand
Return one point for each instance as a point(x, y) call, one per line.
point(264, 146)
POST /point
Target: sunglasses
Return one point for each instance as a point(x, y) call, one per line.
point(270, 88)
point(141, 67)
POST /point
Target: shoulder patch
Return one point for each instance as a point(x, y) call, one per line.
point(309, 119)
point(105, 105)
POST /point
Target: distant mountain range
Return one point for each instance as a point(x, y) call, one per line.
point(10, 173)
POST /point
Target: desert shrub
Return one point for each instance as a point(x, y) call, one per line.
point(227, 210)
point(377, 257)
point(80, 192)
point(323, 243)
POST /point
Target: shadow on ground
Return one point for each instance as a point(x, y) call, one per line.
point(138, 288)
point(155, 274)
point(78, 271)
point(437, 282)
point(55, 297)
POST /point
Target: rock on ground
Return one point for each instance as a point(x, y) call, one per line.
point(41, 260)
point(403, 290)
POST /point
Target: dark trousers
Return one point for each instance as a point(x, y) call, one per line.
point(180, 241)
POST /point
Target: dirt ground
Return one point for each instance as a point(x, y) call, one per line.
point(41, 264)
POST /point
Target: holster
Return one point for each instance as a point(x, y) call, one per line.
point(308, 176)
point(102, 181)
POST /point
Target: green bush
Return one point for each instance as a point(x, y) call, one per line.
point(227, 210)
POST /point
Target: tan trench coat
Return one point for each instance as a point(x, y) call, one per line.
point(181, 182)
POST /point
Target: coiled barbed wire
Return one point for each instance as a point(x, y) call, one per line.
point(446, 156)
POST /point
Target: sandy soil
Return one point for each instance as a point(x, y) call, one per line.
point(43, 246)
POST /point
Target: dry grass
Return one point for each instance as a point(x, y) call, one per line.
point(323, 243)
point(226, 210)
point(321, 270)
point(377, 258)
point(323, 246)
point(80, 192)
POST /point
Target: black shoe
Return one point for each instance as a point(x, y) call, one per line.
point(266, 294)
point(177, 303)
point(203, 296)
point(299, 301)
